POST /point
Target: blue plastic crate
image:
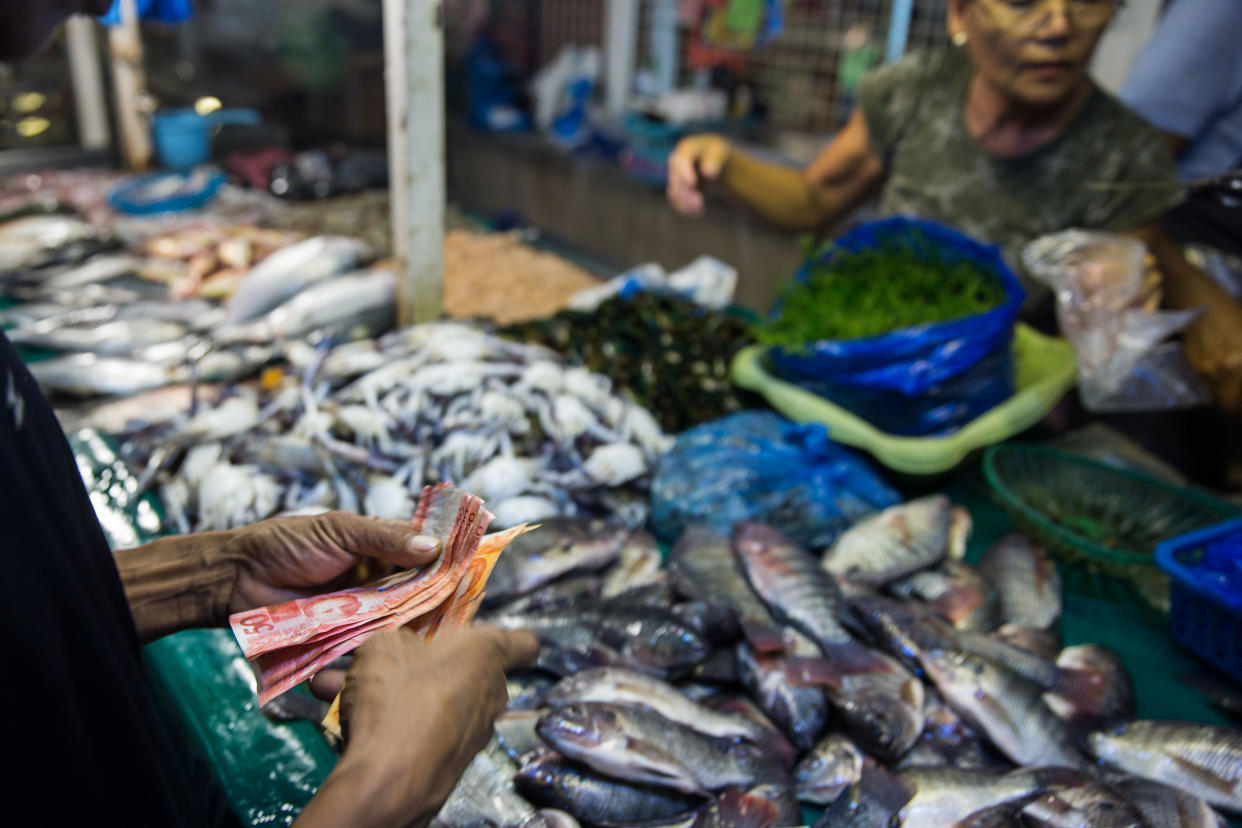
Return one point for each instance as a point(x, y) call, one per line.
point(1205, 579)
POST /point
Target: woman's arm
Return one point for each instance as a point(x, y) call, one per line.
point(1214, 342)
point(843, 175)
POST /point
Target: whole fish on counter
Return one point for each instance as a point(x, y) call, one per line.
point(1202, 760)
point(609, 633)
point(703, 566)
point(800, 710)
point(1008, 709)
point(356, 305)
point(946, 797)
point(291, 270)
point(644, 747)
point(613, 685)
point(899, 541)
point(484, 796)
point(556, 548)
point(595, 799)
point(1027, 584)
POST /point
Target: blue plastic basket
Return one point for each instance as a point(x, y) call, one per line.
point(1205, 613)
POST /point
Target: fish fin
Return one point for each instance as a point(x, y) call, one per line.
point(960, 526)
point(812, 671)
point(1085, 689)
point(1053, 777)
point(851, 658)
point(741, 810)
point(658, 758)
point(763, 637)
point(887, 790)
point(1203, 775)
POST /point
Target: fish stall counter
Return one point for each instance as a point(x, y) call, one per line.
point(254, 771)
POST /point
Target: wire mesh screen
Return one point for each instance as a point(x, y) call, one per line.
point(806, 76)
point(568, 23)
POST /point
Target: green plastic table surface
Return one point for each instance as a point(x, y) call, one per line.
point(268, 771)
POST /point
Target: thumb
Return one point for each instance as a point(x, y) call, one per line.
point(514, 649)
point(385, 540)
point(712, 162)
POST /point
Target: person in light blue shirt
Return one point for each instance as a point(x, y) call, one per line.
point(1188, 83)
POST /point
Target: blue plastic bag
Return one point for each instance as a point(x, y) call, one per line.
point(930, 379)
point(760, 466)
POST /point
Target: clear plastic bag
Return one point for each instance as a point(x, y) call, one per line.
point(1125, 359)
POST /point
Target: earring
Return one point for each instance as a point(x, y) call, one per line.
point(959, 39)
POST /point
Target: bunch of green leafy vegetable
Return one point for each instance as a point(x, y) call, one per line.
point(900, 283)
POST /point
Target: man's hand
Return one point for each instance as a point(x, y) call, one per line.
point(282, 558)
point(1213, 346)
point(696, 159)
point(414, 714)
point(184, 581)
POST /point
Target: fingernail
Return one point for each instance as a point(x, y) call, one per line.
point(422, 543)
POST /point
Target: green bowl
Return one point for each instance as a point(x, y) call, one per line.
point(1105, 519)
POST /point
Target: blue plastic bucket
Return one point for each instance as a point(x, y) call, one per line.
point(183, 137)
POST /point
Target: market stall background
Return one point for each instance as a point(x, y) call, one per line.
point(235, 319)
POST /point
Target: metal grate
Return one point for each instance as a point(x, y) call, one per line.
point(805, 76)
point(569, 23)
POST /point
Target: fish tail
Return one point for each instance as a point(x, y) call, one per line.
point(763, 637)
point(741, 810)
point(1085, 689)
point(887, 790)
point(812, 671)
point(1055, 776)
point(850, 657)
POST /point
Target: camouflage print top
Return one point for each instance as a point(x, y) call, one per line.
point(936, 170)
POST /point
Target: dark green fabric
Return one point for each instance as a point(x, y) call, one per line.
point(936, 170)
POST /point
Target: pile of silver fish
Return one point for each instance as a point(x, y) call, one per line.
point(363, 426)
point(116, 330)
point(885, 681)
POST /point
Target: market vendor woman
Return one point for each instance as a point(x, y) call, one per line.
point(1004, 136)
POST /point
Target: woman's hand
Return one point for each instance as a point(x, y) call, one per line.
point(1213, 346)
point(414, 713)
point(696, 159)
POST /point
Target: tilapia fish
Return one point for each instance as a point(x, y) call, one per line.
point(882, 710)
point(833, 765)
point(484, 796)
point(872, 802)
point(799, 710)
point(801, 594)
point(638, 564)
point(955, 591)
point(896, 542)
point(596, 799)
point(646, 638)
point(703, 566)
point(641, 746)
point(1093, 806)
point(556, 548)
point(946, 797)
point(1112, 696)
point(619, 686)
point(1163, 805)
point(1027, 584)
point(1202, 760)
point(526, 690)
point(516, 733)
point(1008, 709)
